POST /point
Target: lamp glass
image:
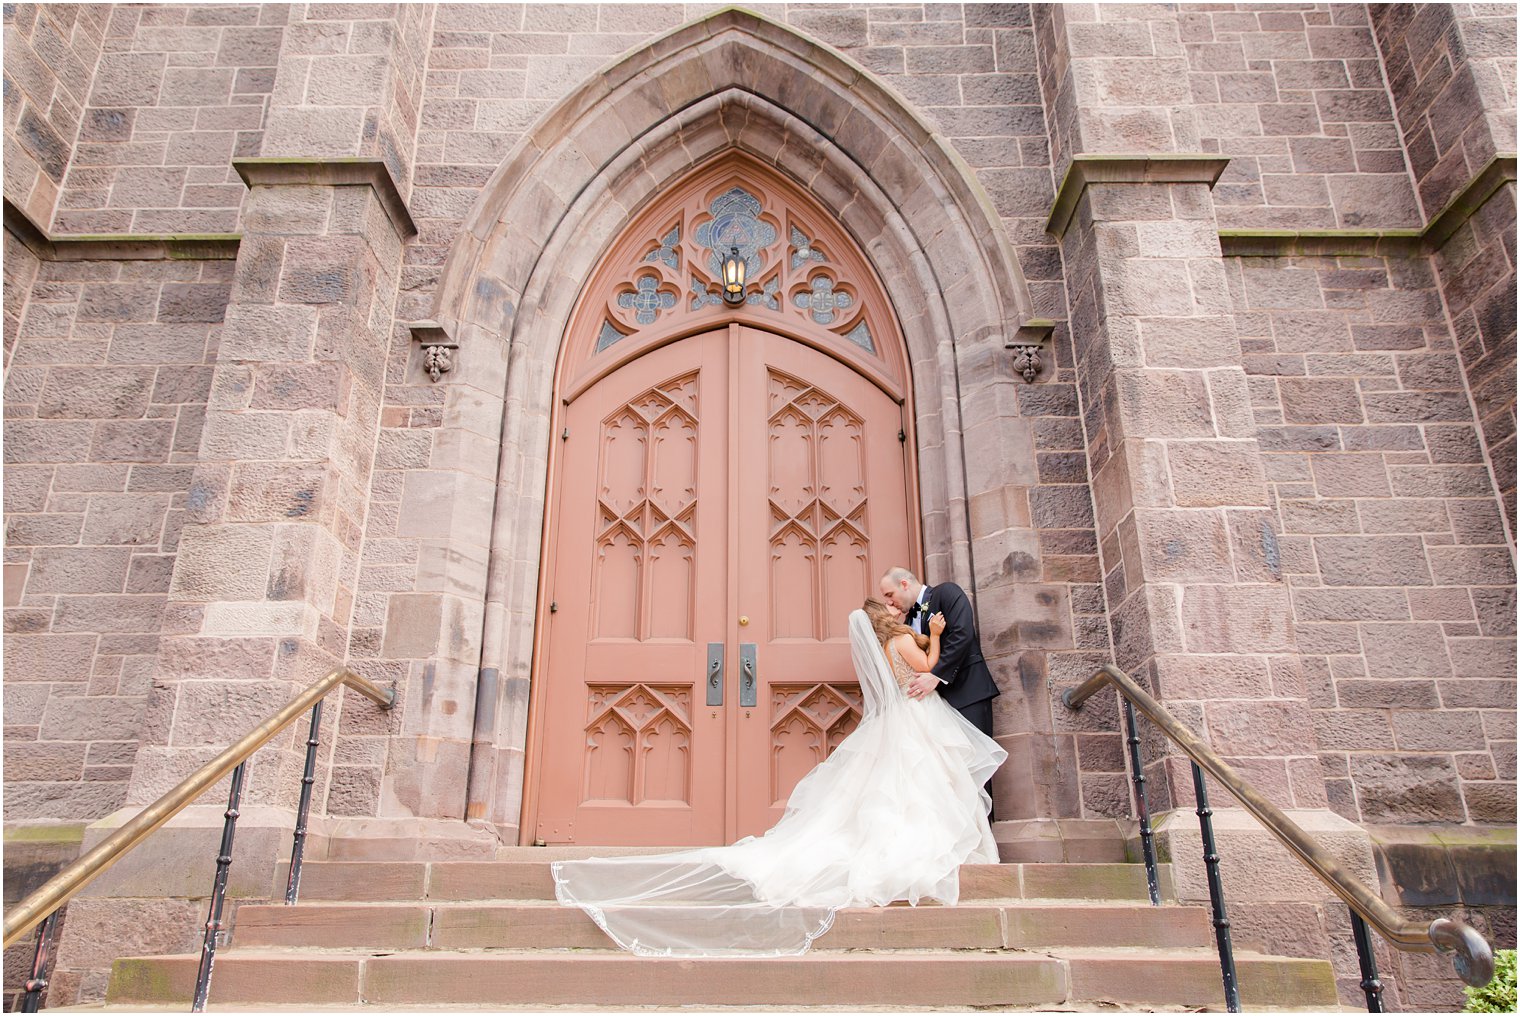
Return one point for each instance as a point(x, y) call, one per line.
point(733, 276)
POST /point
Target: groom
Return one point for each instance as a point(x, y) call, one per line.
point(961, 675)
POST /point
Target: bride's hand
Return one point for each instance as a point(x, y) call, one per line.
point(936, 624)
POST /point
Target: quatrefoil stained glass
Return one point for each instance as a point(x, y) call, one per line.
point(646, 301)
point(822, 300)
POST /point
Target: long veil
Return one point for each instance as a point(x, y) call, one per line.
point(890, 815)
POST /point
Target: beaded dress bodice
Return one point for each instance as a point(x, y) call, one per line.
point(900, 669)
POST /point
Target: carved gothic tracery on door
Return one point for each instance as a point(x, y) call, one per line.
point(801, 272)
point(638, 738)
point(808, 722)
point(817, 497)
point(788, 270)
point(647, 502)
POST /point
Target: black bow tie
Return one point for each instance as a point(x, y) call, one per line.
point(915, 610)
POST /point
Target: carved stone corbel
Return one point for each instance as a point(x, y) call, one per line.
point(439, 350)
point(1026, 361)
point(1030, 345)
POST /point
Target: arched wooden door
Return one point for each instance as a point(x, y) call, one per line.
point(726, 490)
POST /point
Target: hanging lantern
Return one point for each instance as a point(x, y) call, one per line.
point(733, 276)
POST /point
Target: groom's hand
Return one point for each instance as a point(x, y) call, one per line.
point(922, 685)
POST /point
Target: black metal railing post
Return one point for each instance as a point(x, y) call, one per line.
point(1371, 986)
point(37, 983)
point(218, 892)
point(308, 777)
point(1142, 808)
point(1216, 894)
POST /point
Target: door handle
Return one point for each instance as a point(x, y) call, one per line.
point(715, 673)
point(748, 676)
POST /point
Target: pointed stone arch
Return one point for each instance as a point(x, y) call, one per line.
point(732, 80)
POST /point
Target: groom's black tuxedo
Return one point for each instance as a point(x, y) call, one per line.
point(967, 681)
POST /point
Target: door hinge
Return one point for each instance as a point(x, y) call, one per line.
point(554, 606)
point(565, 434)
point(902, 437)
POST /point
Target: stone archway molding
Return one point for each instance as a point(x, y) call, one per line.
point(573, 144)
point(732, 80)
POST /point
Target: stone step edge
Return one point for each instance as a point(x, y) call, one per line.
point(1079, 978)
point(549, 903)
point(573, 1007)
point(412, 880)
point(543, 924)
point(1061, 952)
point(310, 863)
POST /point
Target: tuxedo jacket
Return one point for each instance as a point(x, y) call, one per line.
point(961, 666)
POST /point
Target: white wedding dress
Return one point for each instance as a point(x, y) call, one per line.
point(892, 814)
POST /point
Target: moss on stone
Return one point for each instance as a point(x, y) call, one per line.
point(1445, 835)
point(1468, 836)
point(64, 833)
point(142, 979)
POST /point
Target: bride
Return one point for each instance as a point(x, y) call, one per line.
point(892, 814)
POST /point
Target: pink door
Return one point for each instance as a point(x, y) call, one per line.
point(822, 512)
point(727, 498)
point(640, 586)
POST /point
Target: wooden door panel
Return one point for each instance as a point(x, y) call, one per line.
point(640, 558)
point(822, 508)
point(807, 723)
point(639, 745)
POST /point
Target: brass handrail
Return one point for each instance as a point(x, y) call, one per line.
point(1473, 956)
point(65, 885)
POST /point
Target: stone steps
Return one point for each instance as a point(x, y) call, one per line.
point(567, 977)
point(544, 924)
point(419, 934)
point(379, 881)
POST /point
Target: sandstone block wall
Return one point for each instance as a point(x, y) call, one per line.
point(51, 55)
point(105, 395)
point(1295, 97)
point(1451, 73)
point(1190, 571)
point(287, 457)
point(1392, 542)
point(176, 94)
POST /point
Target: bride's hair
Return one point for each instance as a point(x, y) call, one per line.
point(887, 626)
